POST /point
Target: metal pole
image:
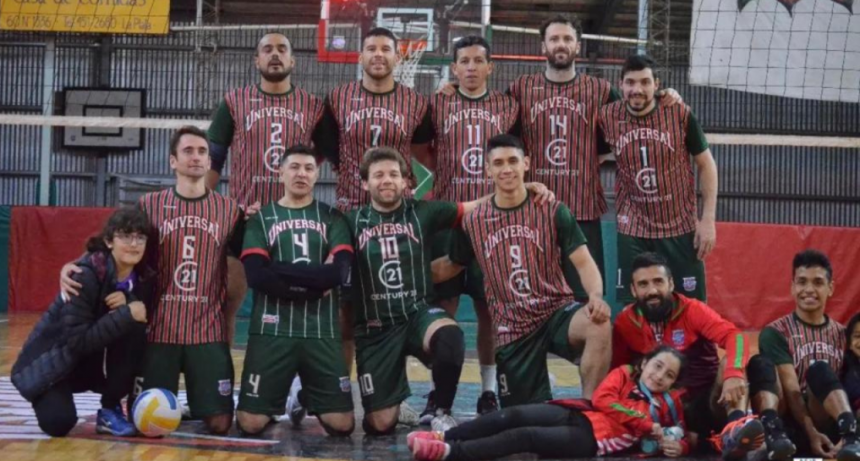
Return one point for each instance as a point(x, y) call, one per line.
point(643, 24)
point(47, 109)
point(103, 81)
point(486, 25)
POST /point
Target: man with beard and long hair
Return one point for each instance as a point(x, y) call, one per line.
point(257, 123)
point(717, 388)
point(655, 148)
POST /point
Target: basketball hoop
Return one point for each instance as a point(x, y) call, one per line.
point(411, 52)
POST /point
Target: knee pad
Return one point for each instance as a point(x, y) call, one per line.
point(370, 430)
point(822, 380)
point(338, 433)
point(448, 346)
point(761, 374)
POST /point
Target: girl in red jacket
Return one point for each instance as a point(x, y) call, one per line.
point(630, 405)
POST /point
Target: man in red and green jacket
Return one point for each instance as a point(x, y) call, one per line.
point(717, 389)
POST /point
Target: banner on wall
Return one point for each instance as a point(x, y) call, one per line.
point(86, 16)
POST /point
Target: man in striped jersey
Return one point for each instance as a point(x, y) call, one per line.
point(717, 388)
point(375, 111)
point(520, 246)
point(655, 147)
point(294, 325)
point(462, 123)
point(392, 288)
point(187, 333)
point(257, 123)
point(802, 355)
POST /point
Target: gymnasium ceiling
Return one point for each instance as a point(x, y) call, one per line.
point(612, 17)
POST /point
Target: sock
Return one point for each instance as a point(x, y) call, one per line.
point(488, 378)
point(847, 424)
point(447, 451)
point(735, 415)
point(770, 420)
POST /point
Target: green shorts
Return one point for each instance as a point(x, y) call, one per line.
point(469, 282)
point(271, 363)
point(594, 241)
point(381, 359)
point(208, 370)
point(688, 271)
point(522, 371)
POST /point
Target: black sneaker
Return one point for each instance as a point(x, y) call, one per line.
point(487, 403)
point(850, 449)
point(777, 444)
point(429, 411)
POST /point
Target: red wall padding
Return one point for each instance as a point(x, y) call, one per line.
point(42, 240)
point(749, 272)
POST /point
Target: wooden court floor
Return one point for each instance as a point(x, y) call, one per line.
point(21, 439)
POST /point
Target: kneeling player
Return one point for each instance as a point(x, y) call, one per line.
point(294, 326)
point(801, 358)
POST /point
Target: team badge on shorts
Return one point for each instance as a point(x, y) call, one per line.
point(345, 385)
point(224, 387)
point(678, 338)
point(435, 310)
point(689, 283)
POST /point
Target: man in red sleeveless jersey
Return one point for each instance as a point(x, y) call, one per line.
point(655, 147)
point(257, 123)
point(187, 334)
point(519, 245)
point(462, 123)
point(797, 372)
point(716, 388)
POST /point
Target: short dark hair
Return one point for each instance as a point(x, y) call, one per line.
point(289, 43)
point(504, 140)
point(472, 40)
point(812, 258)
point(381, 154)
point(571, 21)
point(178, 134)
point(638, 62)
point(298, 149)
point(128, 220)
point(379, 32)
point(649, 259)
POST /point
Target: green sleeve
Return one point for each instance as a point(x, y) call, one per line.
point(773, 345)
point(614, 95)
point(221, 129)
point(339, 233)
point(461, 251)
point(255, 236)
point(570, 236)
point(696, 141)
point(440, 215)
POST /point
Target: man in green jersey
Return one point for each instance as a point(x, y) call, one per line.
point(292, 263)
point(391, 288)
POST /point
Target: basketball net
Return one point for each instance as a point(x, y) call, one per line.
point(411, 52)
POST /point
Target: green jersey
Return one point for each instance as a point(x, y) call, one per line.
point(391, 279)
point(300, 236)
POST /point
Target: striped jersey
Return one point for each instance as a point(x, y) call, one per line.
point(359, 120)
point(391, 280)
point(560, 132)
point(299, 236)
point(259, 127)
point(655, 186)
point(520, 252)
point(193, 239)
point(461, 128)
point(789, 339)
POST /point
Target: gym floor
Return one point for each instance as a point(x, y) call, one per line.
point(21, 439)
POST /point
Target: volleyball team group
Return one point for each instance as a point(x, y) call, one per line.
point(514, 223)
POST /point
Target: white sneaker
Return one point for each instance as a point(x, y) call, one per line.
point(294, 408)
point(407, 416)
point(443, 421)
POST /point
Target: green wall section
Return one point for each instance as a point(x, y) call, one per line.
point(5, 228)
